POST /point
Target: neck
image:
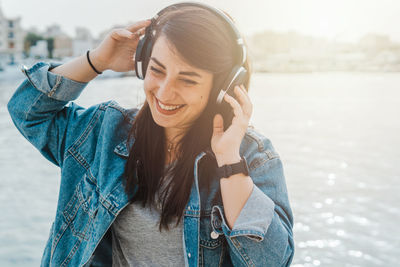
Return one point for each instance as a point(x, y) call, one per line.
point(173, 136)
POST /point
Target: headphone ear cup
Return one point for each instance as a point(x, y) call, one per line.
point(139, 59)
point(236, 77)
point(146, 55)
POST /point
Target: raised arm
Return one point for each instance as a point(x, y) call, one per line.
point(78, 69)
point(116, 52)
point(39, 108)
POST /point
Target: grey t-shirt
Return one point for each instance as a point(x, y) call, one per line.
point(137, 241)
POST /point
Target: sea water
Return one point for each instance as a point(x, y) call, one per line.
point(336, 133)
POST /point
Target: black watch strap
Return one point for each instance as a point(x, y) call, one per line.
point(226, 171)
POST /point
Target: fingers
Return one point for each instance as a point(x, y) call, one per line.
point(243, 104)
point(120, 34)
point(138, 25)
point(244, 100)
point(139, 33)
point(237, 109)
point(134, 31)
point(123, 33)
point(245, 92)
point(218, 125)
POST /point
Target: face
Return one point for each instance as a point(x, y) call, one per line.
point(176, 92)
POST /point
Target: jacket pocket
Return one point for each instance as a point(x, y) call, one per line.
point(211, 244)
point(81, 209)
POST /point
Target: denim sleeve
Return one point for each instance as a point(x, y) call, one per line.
point(262, 233)
point(38, 110)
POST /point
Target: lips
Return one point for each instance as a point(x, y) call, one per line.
point(167, 109)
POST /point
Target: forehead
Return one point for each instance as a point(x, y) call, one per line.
point(166, 53)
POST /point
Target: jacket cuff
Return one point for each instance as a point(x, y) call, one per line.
point(253, 220)
point(53, 85)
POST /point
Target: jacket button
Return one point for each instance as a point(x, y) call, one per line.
point(189, 255)
point(214, 235)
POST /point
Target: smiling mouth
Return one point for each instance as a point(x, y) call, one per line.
point(168, 107)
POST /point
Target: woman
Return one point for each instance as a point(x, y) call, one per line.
point(126, 175)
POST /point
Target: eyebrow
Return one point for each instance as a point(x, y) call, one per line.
point(188, 73)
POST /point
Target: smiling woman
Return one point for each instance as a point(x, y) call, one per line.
point(182, 162)
point(190, 59)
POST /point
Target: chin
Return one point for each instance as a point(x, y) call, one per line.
point(160, 120)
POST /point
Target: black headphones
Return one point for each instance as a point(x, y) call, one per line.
point(145, 46)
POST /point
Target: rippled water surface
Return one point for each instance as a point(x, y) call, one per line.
point(337, 134)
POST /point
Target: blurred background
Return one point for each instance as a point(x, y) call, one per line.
point(325, 92)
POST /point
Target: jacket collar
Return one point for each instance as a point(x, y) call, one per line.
point(123, 148)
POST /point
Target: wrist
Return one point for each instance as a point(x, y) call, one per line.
point(227, 159)
point(237, 169)
point(96, 60)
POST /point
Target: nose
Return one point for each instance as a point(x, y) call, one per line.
point(166, 91)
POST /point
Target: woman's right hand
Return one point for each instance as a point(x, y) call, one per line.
point(117, 51)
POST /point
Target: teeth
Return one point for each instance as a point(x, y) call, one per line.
point(168, 107)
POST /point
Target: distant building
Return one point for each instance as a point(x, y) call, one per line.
point(62, 46)
point(53, 31)
point(62, 42)
point(375, 42)
point(39, 50)
point(11, 39)
point(83, 41)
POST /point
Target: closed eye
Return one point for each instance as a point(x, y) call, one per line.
point(155, 70)
point(189, 81)
point(185, 80)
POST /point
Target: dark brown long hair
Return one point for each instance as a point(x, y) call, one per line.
point(205, 42)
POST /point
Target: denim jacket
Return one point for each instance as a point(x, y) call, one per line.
point(90, 147)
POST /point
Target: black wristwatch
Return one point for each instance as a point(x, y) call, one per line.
point(226, 171)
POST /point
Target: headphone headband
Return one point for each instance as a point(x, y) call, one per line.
point(216, 11)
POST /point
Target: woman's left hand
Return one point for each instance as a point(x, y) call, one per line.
point(225, 145)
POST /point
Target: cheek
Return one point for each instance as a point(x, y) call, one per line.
point(196, 100)
point(202, 101)
point(148, 84)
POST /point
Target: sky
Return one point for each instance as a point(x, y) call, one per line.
point(339, 20)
